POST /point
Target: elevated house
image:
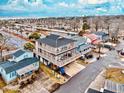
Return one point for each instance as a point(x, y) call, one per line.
point(56, 50)
point(22, 64)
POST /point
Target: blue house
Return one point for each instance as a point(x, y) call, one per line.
point(82, 44)
point(102, 36)
point(22, 63)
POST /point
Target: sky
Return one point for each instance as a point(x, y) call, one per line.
point(60, 8)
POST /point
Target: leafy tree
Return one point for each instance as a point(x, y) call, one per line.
point(29, 46)
point(84, 28)
point(35, 36)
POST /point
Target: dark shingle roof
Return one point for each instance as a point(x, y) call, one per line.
point(23, 63)
point(92, 91)
point(55, 40)
point(107, 91)
point(18, 53)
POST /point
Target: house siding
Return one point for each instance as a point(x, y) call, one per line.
point(25, 55)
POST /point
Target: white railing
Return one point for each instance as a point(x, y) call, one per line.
point(68, 60)
point(53, 50)
point(61, 62)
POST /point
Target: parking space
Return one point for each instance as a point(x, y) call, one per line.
point(73, 68)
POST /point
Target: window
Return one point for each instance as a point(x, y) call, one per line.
point(36, 64)
point(40, 50)
point(13, 74)
point(25, 56)
point(10, 75)
point(1, 70)
point(41, 44)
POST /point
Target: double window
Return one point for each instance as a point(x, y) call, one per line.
point(12, 74)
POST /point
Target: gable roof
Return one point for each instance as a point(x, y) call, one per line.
point(100, 33)
point(18, 53)
point(55, 40)
point(13, 66)
point(91, 36)
point(7, 64)
point(79, 39)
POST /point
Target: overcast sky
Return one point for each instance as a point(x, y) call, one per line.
point(57, 8)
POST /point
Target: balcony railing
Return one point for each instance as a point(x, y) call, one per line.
point(61, 63)
point(53, 50)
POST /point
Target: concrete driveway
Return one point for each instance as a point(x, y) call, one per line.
point(80, 82)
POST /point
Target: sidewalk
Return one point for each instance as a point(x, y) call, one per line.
point(98, 83)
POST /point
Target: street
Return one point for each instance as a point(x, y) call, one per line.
point(80, 82)
point(15, 41)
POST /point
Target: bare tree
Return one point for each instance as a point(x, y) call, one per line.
point(115, 35)
point(3, 43)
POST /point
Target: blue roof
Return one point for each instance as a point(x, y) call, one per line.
point(13, 66)
point(18, 53)
point(100, 33)
point(7, 64)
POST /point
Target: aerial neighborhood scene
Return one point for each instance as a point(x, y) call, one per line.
point(61, 46)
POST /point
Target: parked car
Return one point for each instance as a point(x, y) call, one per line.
point(89, 56)
point(109, 47)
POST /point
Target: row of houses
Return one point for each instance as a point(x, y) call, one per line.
point(54, 51)
point(58, 51)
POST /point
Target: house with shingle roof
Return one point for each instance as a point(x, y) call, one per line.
point(83, 44)
point(22, 63)
point(57, 51)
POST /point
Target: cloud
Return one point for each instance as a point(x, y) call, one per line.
point(92, 1)
point(61, 7)
point(63, 4)
point(23, 5)
point(66, 5)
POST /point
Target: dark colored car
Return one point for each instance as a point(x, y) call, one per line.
point(109, 47)
point(89, 56)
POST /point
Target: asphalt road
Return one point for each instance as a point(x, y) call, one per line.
point(18, 42)
point(80, 82)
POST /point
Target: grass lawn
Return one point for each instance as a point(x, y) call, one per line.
point(53, 75)
point(10, 91)
point(2, 83)
point(115, 75)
